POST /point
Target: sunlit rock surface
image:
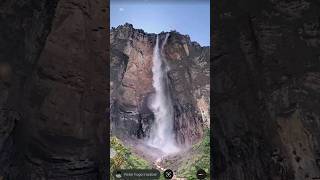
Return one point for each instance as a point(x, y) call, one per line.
point(131, 83)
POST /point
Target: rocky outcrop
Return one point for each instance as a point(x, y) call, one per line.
point(189, 75)
point(54, 92)
point(265, 90)
point(131, 83)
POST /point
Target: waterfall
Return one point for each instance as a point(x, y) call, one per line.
point(162, 135)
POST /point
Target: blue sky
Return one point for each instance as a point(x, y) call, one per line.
point(190, 17)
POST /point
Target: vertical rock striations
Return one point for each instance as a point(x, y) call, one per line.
point(188, 76)
point(24, 27)
point(265, 87)
point(54, 97)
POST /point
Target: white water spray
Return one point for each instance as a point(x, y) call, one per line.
point(162, 135)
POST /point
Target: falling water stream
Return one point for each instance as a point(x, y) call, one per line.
point(162, 135)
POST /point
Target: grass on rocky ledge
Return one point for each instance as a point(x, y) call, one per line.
point(124, 158)
point(200, 159)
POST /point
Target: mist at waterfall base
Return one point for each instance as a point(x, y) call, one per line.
point(161, 135)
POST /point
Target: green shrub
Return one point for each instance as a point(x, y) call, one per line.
point(124, 158)
point(200, 159)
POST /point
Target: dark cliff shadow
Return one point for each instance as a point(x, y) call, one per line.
point(53, 90)
point(264, 74)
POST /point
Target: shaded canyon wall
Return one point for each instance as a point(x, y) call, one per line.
point(53, 89)
point(265, 89)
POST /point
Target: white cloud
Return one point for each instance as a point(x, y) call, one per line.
point(121, 9)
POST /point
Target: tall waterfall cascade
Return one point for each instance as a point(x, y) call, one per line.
point(162, 134)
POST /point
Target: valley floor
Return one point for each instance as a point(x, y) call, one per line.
point(137, 155)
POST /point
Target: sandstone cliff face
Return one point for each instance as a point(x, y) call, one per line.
point(54, 96)
point(265, 90)
point(131, 83)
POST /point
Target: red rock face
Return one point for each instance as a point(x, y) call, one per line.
point(136, 82)
point(132, 52)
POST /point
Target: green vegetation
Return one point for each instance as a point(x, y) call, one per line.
point(124, 159)
point(200, 159)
